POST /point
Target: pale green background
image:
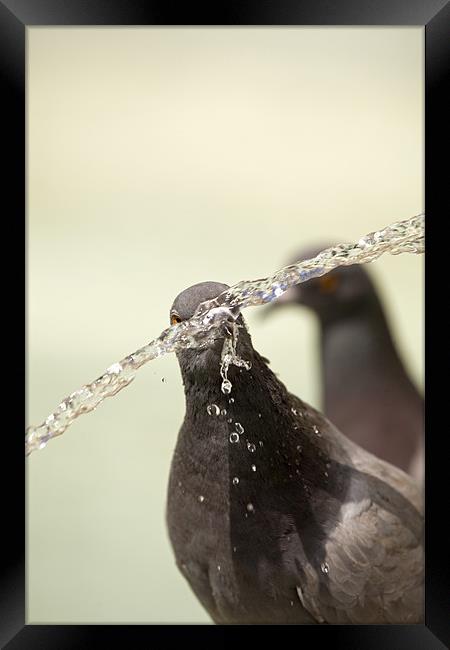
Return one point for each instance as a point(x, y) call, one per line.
point(158, 158)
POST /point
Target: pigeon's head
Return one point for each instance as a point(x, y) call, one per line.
point(338, 293)
point(195, 360)
point(186, 303)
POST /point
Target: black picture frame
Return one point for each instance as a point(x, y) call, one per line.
point(15, 16)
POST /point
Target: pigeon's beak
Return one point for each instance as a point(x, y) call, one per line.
point(287, 298)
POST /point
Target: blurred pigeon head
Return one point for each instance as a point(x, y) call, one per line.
point(337, 294)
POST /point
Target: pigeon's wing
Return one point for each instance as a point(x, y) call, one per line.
point(372, 570)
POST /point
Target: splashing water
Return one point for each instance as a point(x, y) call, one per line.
point(230, 357)
point(324, 568)
point(216, 318)
point(213, 409)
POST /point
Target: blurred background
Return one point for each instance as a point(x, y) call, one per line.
point(162, 157)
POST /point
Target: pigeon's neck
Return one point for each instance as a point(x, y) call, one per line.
point(356, 344)
point(258, 428)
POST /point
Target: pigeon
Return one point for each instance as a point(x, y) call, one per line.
point(366, 390)
point(274, 516)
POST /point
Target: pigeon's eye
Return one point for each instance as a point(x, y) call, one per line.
point(174, 319)
point(328, 283)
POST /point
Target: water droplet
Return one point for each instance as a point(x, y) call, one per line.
point(299, 447)
point(115, 369)
point(251, 447)
point(326, 473)
point(213, 409)
point(324, 567)
point(201, 498)
point(294, 411)
point(250, 507)
point(316, 431)
point(218, 567)
point(235, 480)
point(234, 549)
point(259, 415)
point(223, 412)
point(260, 443)
point(254, 468)
point(239, 427)
point(226, 387)
point(292, 603)
point(231, 400)
point(179, 484)
point(234, 437)
point(50, 422)
point(230, 420)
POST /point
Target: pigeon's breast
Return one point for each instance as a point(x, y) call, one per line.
point(198, 519)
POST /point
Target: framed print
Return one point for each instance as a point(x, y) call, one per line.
point(149, 151)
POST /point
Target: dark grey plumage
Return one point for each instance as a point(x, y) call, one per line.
point(315, 529)
point(366, 391)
